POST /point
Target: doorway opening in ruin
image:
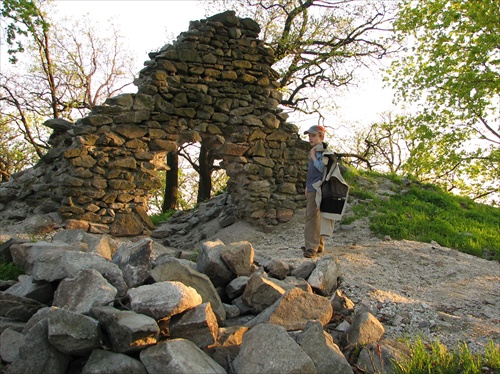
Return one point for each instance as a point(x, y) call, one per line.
point(195, 175)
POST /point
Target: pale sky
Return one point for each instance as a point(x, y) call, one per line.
point(148, 25)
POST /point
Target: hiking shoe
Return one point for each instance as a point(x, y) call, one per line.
point(319, 250)
point(310, 253)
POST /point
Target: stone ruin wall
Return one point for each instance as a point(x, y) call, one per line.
point(213, 85)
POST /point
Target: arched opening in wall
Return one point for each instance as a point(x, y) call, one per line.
point(195, 175)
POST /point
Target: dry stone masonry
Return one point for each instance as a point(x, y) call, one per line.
point(214, 86)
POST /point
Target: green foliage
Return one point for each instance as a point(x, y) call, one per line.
point(9, 271)
point(436, 358)
point(22, 17)
point(15, 153)
point(423, 212)
point(452, 74)
point(161, 217)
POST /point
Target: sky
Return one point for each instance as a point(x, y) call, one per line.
point(148, 25)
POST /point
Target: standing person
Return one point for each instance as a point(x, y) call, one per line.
point(314, 242)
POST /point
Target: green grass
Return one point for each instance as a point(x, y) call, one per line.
point(162, 217)
point(436, 358)
point(425, 213)
point(9, 271)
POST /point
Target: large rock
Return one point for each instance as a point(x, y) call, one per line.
point(365, 329)
point(294, 309)
point(381, 357)
point(85, 291)
point(172, 269)
point(261, 292)
point(197, 324)
point(73, 333)
point(239, 257)
point(26, 287)
point(10, 342)
point(178, 356)
point(324, 277)
point(228, 345)
point(17, 307)
point(101, 361)
point(37, 355)
point(134, 260)
point(268, 348)
point(163, 299)
point(326, 355)
point(210, 263)
point(126, 330)
point(52, 264)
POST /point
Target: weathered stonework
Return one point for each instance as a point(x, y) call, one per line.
point(214, 85)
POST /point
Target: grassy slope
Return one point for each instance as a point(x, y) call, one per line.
point(410, 210)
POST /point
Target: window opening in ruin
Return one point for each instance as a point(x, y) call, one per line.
point(200, 176)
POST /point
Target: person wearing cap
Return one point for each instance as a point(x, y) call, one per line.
point(314, 241)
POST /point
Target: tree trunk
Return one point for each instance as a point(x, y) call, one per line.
point(171, 182)
point(205, 172)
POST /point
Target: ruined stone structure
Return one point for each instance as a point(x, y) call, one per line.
point(214, 85)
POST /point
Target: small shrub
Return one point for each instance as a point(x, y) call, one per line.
point(9, 271)
point(161, 217)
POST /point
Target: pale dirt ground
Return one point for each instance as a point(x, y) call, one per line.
point(414, 288)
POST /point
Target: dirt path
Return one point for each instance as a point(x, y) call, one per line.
point(413, 288)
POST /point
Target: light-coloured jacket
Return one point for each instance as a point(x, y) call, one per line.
point(331, 194)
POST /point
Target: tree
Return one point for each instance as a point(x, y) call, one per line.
point(57, 71)
point(319, 44)
point(453, 70)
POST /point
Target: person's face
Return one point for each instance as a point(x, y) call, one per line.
point(315, 138)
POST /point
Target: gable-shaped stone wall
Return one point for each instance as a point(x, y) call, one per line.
point(214, 85)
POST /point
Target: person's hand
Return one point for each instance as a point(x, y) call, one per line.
point(312, 153)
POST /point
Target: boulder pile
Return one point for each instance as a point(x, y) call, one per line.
point(91, 304)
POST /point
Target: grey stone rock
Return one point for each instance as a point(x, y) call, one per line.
point(17, 307)
point(210, 263)
point(294, 309)
point(163, 299)
point(380, 357)
point(365, 329)
point(134, 260)
point(324, 277)
point(171, 269)
point(85, 291)
point(267, 348)
point(178, 356)
point(101, 361)
point(228, 345)
point(320, 347)
point(277, 269)
point(37, 355)
point(236, 287)
point(239, 257)
point(304, 269)
point(342, 304)
point(126, 330)
point(197, 324)
point(73, 333)
point(26, 287)
point(8, 323)
point(261, 292)
point(10, 342)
